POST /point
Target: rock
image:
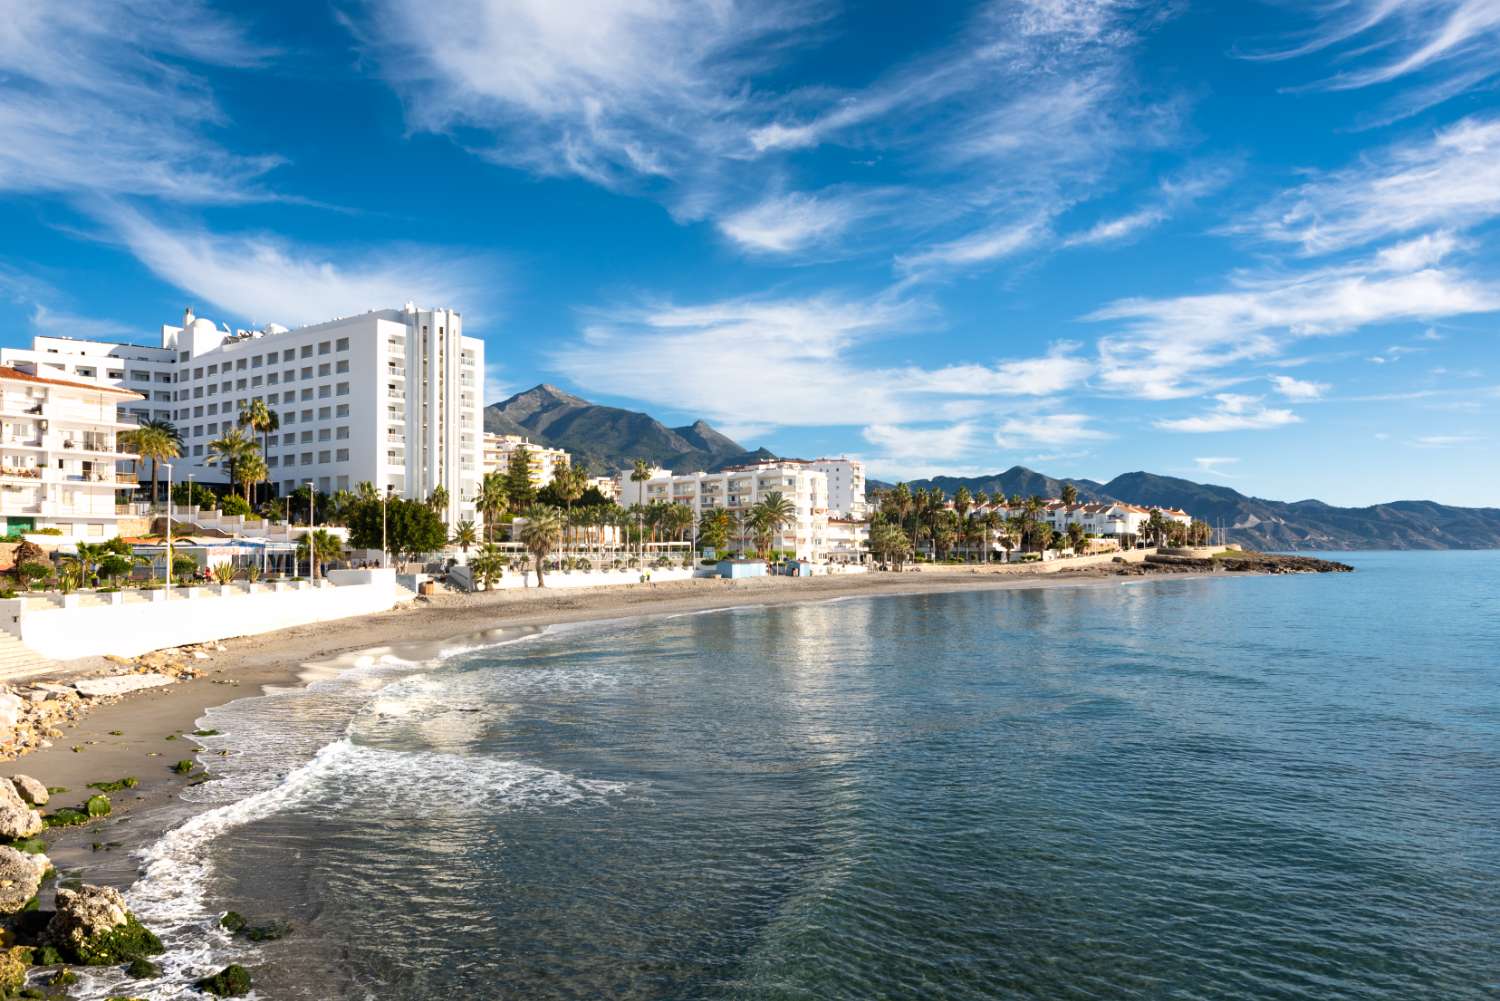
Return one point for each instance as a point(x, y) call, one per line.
point(141, 968)
point(10, 710)
point(231, 982)
point(12, 969)
point(199, 655)
point(120, 685)
point(93, 927)
point(30, 789)
point(20, 878)
point(17, 819)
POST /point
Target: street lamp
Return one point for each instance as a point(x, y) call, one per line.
point(312, 523)
point(169, 529)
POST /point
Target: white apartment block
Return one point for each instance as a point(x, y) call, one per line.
point(58, 455)
point(740, 488)
point(390, 396)
point(846, 485)
point(544, 461)
point(848, 539)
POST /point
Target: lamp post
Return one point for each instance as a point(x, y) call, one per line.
point(169, 529)
point(312, 523)
point(385, 552)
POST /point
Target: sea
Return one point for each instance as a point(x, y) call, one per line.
point(1237, 787)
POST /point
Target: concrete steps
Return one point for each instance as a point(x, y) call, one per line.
point(17, 660)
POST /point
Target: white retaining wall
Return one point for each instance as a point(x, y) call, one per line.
point(514, 579)
point(128, 624)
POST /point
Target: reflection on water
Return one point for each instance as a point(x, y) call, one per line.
point(1248, 788)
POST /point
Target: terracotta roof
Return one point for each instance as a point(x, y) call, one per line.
point(16, 375)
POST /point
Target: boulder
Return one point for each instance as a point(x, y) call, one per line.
point(10, 709)
point(93, 927)
point(17, 819)
point(30, 790)
point(20, 878)
point(120, 684)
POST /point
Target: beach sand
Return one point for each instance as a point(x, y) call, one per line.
point(144, 734)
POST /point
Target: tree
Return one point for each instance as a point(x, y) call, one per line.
point(568, 483)
point(190, 494)
point(321, 545)
point(769, 517)
point(154, 441)
point(411, 527)
point(963, 501)
point(714, 528)
point(1069, 494)
point(889, 543)
point(252, 470)
point(438, 499)
point(1077, 538)
point(263, 421)
point(1156, 527)
point(539, 533)
point(492, 501)
point(518, 485)
point(488, 564)
point(464, 536)
point(640, 472)
point(232, 450)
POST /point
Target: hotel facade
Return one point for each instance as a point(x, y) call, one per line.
point(59, 454)
point(391, 397)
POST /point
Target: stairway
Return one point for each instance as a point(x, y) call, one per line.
point(17, 660)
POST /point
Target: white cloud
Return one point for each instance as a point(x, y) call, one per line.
point(1117, 229)
point(1234, 412)
point(1212, 465)
point(900, 443)
point(262, 278)
point(1173, 347)
point(1451, 44)
point(1446, 440)
point(100, 98)
point(1173, 193)
point(1054, 429)
point(611, 91)
point(1298, 389)
point(980, 247)
point(1448, 180)
point(801, 363)
point(787, 223)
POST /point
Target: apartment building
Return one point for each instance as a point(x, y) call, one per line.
point(58, 455)
point(846, 485)
point(391, 396)
point(544, 461)
point(740, 488)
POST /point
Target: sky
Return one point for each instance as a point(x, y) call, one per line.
point(1250, 243)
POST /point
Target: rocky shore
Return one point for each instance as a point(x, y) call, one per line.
point(1239, 562)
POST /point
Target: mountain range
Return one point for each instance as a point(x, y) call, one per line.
point(1265, 524)
point(608, 439)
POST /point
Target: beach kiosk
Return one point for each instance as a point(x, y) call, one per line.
point(739, 569)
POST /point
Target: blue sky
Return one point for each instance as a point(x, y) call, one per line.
point(1251, 243)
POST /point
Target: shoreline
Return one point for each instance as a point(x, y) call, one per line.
point(143, 734)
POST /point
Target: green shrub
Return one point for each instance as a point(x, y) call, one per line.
point(128, 782)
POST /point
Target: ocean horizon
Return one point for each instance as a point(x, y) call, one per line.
point(1227, 787)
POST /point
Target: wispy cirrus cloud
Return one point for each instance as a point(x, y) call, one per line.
point(1058, 430)
point(1443, 48)
point(1178, 346)
point(794, 222)
point(261, 277)
point(102, 97)
point(811, 351)
point(1449, 180)
point(1172, 194)
point(1232, 412)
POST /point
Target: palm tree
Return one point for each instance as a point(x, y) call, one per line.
point(1077, 538)
point(569, 482)
point(889, 542)
point(640, 472)
point(770, 516)
point(252, 470)
point(231, 450)
point(715, 527)
point(492, 500)
point(540, 532)
point(261, 419)
point(438, 499)
point(962, 502)
point(319, 544)
point(155, 441)
point(464, 536)
point(1069, 494)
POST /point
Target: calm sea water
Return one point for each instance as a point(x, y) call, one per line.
point(1266, 787)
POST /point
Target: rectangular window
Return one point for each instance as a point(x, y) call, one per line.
point(343, 389)
point(290, 375)
point(255, 380)
point(307, 458)
point(324, 391)
point(197, 392)
point(307, 350)
point(324, 347)
point(324, 369)
point(290, 417)
point(197, 449)
point(307, 372)
point(306, 416)
point(290, 354)
point(307, 393)
point(198, 411)
point(272, 378)
point(256, 361)
point(213, 370)
point(239, 384)
point(343, 366)
point(343, 344)
point(307, 436)
point(343, 433)
point(271, 462)
point(325, 434)
point(342, 410)
point(325, 457)
point(343, 455)
point(241, 364)
point(323, 414)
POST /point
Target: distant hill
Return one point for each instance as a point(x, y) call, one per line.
point(1267, 524)
point(608, 439)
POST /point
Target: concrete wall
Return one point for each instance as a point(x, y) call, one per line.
point(593, 578)
point(128, 624)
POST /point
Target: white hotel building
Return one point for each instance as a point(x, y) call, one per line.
point(739, 488)
point(58, 455)
point(391, 396)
